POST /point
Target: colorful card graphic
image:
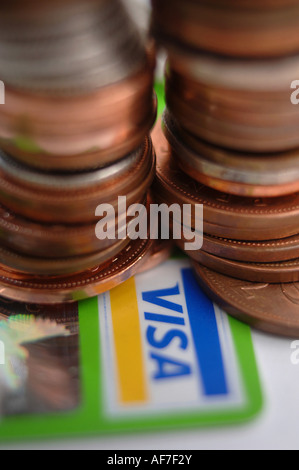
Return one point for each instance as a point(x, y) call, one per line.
point(167, 351)
point(154, 353)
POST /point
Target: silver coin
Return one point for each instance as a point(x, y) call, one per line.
point(34, 20)
point(107, 48)
point(271, 75)
point(24, 174)
point(267, 169)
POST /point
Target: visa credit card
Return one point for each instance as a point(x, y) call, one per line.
point(167, 352)
point(154, 353)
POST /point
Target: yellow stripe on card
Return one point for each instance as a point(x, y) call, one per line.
point(128, 345)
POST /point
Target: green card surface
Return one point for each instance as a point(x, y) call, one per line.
point(152, 354)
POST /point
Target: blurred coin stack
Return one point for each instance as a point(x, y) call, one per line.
point(233, 146)
point(74, 134)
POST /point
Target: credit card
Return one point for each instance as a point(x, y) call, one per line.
point(154, 353)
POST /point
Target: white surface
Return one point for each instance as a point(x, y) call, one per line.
point(275, 428)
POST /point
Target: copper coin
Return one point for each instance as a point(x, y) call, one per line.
point(250, 109)
point(58, 266)
point(271, 74)
point(25, 151)
point(234, 96)
point(232, 31)
point(225, 215)
point(238, 104)
point(240, 189)
point(284, 116)
point(53, 290)
point(267, 251)
point(267, 133)
point(73, 198)
point(273, 273)
point(237, 136)
point(273, 308)
point(255, 109)
point(51, 266)
point(235, 173)
point(271, 251)
point(79, 132)
point(262, 167)
point(242, 234)
point(47, 241)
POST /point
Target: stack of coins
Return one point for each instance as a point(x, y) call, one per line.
point(231, 143)
point(237, 28)
point(74, 135)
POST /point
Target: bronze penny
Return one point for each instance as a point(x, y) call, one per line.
point(225, 215)
point(219, 31)
point(238, 104)
point(285, 116)
point(51, 266)
point(53, 290)
point(238, 31)
point(77, 133)
point(243, 234)
point(232, 172)
point(237, 136)
point(73, 198)
point(267, 251)
point(59, 266)
point(91, 158)
point(273, 308)
point(273, 273)
point(252, 101)
point(240, 189)
point(236, 109)
point(271, 251)
point(260, 167)
point(52, 241)
point(253, 110)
